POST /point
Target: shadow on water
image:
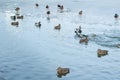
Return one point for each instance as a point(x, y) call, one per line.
point(48, 19)
point(76, 37)
point(116, 23)
point(60, 76)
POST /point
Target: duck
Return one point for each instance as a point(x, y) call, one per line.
point(38, 24)
point(61, 8)
point(102, 52)
point(20, 17)
point(58, 27)
point(62, 71)
point(48, 13)
point(116, 16)
point(47, 7)
point(80, 12)
point(15, 23)
point(36, 4)
point(84, 40)
point(58, 6)
point(17, 9)
point(13, 17)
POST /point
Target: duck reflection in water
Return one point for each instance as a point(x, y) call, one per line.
point(48, 19)
point(62, 72)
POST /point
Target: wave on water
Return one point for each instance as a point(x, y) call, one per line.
point(109, 39)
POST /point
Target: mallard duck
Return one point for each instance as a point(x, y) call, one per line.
point(61, 8)
point(62, 71)
point(38, 24)
point(116, 16)
point(47, 7)
point(20, 17)
point(58, 6)
point(85, 40)
point(48, 13)
point(102, 52)
point(15, 23)
point(17, 9)
point(36, 4)
point(80, 13)
point(58, 27)
point(13, 17)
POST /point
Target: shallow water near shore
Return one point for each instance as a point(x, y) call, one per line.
point(31, 53)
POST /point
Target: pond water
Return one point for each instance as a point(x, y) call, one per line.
point(31, 53)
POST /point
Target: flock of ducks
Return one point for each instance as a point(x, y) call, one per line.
point(83, 38)
point(37, 24)
point(16, 16)
point(64, 71)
